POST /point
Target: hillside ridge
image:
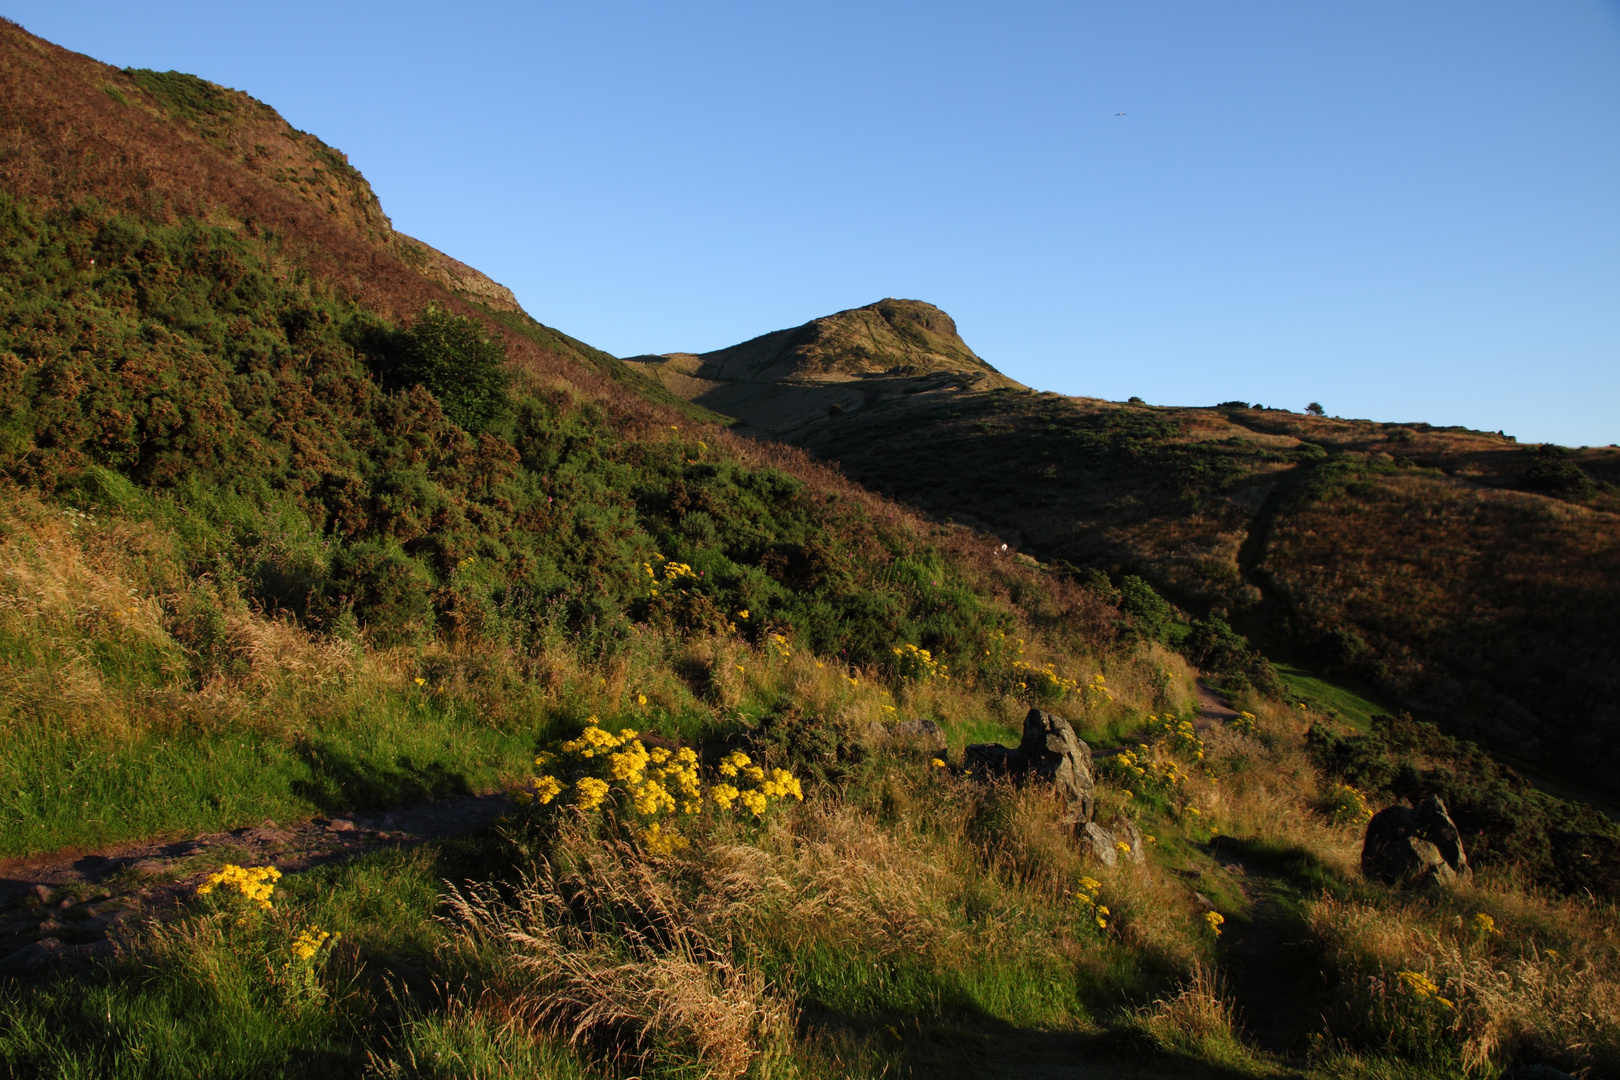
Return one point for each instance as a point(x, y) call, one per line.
point(1229, 509)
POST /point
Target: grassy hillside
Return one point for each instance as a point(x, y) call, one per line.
point(1452, 572)
point(297, 519)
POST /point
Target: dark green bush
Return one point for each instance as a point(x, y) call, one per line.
point(1554, 470)
point(459, 363)
point(1218, 649)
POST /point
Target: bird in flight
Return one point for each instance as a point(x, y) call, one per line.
point(1119, 114)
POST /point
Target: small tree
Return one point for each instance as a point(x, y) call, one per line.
point(1315, 408)
point(455, 360)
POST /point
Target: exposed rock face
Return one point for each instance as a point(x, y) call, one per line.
point(1049, 751)
point(1413, 846)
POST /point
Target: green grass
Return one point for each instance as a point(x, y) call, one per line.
point(1335, 701)
point(60, 789)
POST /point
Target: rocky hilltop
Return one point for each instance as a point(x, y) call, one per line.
point(782, 382)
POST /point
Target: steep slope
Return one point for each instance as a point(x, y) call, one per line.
point(170, 146)
point(1456, 572)
point(779, 383)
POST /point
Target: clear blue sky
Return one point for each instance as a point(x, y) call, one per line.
point(1407, 211)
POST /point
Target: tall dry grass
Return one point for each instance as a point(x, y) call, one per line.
point(603, 951)
point(1542, 985)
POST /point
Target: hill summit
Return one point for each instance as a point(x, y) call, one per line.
point(782, 381)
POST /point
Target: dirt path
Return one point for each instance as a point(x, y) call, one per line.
point(67, 905)
point(1213, 709)
point(1270, 967)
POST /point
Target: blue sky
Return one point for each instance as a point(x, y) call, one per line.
point(1406, 211)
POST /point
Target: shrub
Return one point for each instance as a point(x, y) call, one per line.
point(456, 360)
point(1151, 613)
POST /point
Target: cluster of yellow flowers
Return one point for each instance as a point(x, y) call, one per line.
point(1087, 898)
point(1486, 925)
point(1213, 920)
point(779, 784)
point(1144, 769)
point(918, 665)
point(779, 647)
point(1422, 986)
point(1177, 735)
point(311, 941)
point(1344, 803)
point(674, 574)
point(654, 781)
point(1244, 724)
point(254, 883)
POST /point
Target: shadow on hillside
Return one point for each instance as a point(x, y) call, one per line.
point(341, 781)
point(971, 1043)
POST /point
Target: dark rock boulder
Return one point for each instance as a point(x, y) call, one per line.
point(1413, 846)
point(1050, 751)
point(1536, 1072)
point(987, 761)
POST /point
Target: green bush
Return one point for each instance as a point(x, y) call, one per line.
point(459, 363)
point(1151, 614)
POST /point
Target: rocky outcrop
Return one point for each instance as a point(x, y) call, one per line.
point(1410, 846)
point(1050, 751)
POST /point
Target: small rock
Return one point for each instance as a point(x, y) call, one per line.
point(265, 834)
point(41, 893)
point(51, 926)
point(90, 950)
point(268, 823)
point(111, 920)
point(150, 866)
point(1051, 751)
point(340, 825)
point(65, 904)
point(31, 956)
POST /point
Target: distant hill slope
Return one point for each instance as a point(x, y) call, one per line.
point(1468, 577)
point(782, 381)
